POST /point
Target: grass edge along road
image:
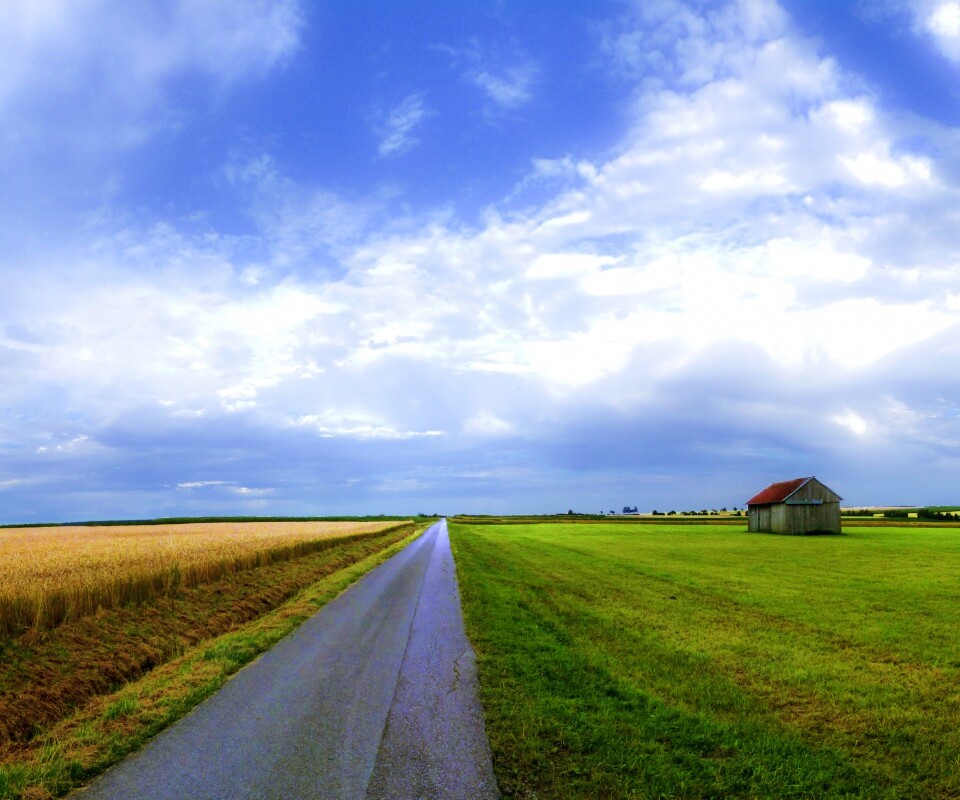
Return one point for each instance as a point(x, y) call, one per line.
point(110, 727)
point(704, 662)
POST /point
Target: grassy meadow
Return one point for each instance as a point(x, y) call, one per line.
point(78, 696)
point(675, 661)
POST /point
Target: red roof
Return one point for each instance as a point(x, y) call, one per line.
point(777, 492)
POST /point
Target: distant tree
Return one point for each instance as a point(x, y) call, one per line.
point(570, 511)
point(671, 512)
point(613, 512)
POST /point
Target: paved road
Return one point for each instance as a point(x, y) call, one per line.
point(373, 697)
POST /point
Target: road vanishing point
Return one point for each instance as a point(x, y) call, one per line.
point(373, 697)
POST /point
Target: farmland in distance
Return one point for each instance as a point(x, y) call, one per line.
point(682, 661)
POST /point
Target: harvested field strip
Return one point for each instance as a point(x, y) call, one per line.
point(109, 726)
point(44, 675)
point(705, 662)
point(55, 574)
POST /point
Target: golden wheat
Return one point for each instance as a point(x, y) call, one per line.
point(48, 575)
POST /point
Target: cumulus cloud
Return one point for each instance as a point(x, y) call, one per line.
point(935, 21)
point(942, 21)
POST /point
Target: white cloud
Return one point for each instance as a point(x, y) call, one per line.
point(544, 294)
point(485, 423)
point(849, 115)
point(508, 90)
point(506, 76)
point(93, 75)
point(356, 425)
point(230, 486)
point(763, 216)
point(248, 491)
point(880, 169)
point(566, 265)
point(396, 133)
point(943, 21)
point(131, 48)
point(77, 443)
point(936, 20)
point(853, 422)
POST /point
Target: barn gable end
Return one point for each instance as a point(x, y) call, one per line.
point(801, 505)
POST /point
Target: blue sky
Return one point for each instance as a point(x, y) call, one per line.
point(299, 257)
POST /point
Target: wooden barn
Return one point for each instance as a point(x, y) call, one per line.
point(803, 505)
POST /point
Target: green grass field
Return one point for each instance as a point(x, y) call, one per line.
point(676, 661)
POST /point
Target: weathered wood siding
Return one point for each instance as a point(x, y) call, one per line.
point(814, 490)
point(758, 518)
point(811, 508)
point(808, 518)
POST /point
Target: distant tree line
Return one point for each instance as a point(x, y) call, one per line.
point(900, 513)
point(703, 512)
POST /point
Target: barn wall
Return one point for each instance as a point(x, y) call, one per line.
point(758, 518)
point(814, 490)
point(804, 519)
point(778, 519)
point(789, 518)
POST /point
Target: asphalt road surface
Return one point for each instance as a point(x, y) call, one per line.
point(373, 697)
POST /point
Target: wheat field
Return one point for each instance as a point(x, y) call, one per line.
point(53, 574)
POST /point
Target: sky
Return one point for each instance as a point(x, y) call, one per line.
point(307, 257)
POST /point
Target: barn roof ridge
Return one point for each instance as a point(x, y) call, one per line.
point(779, 492)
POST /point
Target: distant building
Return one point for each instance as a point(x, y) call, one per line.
point(803, 505)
